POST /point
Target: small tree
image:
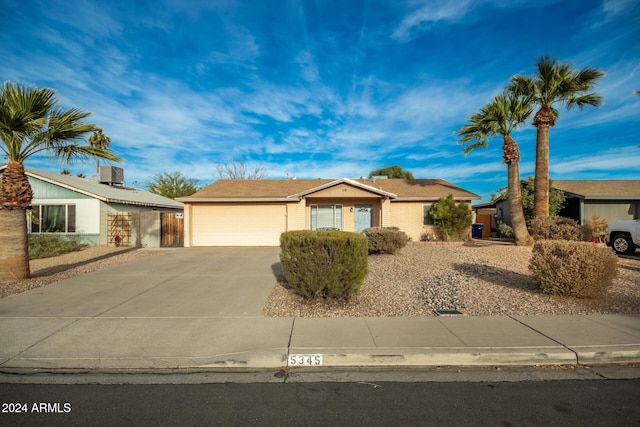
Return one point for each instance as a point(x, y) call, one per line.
point(556, 199)
point(392, 172)
point(172, 185)
point(454, 219)
point(240, 170)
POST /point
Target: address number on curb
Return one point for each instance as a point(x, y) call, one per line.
point(305, 360)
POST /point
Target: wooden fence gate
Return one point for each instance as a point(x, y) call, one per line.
point(172, 230)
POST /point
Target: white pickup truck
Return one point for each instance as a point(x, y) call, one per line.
point(624, 236)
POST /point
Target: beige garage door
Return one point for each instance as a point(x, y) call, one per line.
point(233, 225)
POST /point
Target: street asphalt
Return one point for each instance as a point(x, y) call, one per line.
point(200, 308)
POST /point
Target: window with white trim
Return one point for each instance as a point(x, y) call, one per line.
point(326, 217)
point(52, 219)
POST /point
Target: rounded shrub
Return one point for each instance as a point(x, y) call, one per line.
point(325, 264)
point(570, 268)
point(556, 228)
point(385, 240)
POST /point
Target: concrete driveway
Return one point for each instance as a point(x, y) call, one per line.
point(186, 282)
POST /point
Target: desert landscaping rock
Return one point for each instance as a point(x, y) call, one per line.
point(478, 279)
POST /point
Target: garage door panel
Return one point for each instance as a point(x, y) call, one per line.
point(238, 225)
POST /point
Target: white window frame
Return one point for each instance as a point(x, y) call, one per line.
point(337, 217)
point(37, 213)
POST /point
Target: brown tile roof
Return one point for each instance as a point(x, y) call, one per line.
point(404, 188)
point(615, 189)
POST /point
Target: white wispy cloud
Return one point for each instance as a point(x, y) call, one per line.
point(431, 11)
point(611, 160)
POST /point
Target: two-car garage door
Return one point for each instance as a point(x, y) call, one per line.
point(238, 225)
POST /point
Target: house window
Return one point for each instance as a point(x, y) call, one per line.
point(426, 218)
point(326, 217)
point(53, 219)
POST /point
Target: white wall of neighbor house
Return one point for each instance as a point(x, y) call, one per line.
point(87, 212)
point(87, 217)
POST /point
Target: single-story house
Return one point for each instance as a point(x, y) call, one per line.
point(101, 211)
point(613, 200)
point(256, 212)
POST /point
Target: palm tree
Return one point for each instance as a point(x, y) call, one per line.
point(100, 140)
point(554, 82)
point(500, 117)
point(31, 123)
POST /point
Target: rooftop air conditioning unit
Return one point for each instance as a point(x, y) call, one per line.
point(111, 175)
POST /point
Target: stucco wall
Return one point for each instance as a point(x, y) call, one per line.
point(408, 217)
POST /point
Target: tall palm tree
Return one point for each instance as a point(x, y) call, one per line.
point(500, 117)
point(31, 123)
point(100, 140)
point(554, 82)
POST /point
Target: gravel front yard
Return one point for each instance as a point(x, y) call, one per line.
point(478, 279)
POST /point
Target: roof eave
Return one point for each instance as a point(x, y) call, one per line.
point(235, 199)
point(435, 199)
point(344, 181)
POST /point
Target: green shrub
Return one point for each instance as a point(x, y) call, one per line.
point(386, 240)
point(556, 228)
point(324, 263)
point(49, 245)
point(454, 219)
point(505, 230)
point(570, 268)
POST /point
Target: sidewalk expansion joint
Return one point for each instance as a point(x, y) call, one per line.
point(39, 341)
point(575, 353)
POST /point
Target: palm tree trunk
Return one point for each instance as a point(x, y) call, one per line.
point(543, 120)
point(14, 247)
point(511, 155)
point(15, 197)
point(541, 180)
point(518, 222)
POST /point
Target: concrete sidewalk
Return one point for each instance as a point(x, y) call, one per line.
point(200, 308)
point(107, 343)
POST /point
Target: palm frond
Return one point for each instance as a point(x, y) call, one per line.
point(31, 122)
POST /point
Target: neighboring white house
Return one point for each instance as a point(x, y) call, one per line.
point(99, 211)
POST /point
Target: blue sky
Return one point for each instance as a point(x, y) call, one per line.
point(323, 88)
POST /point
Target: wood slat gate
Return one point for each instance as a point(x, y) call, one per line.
point(172, 230)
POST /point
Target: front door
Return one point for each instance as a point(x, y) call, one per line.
point(363, 217)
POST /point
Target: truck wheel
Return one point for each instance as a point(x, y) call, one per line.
point(623, 244)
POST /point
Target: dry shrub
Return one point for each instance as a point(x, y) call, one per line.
point(556, 228)
point(570, 268)
point(387, 240)
point(330, 264)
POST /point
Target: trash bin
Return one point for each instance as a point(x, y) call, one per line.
point(476, 231)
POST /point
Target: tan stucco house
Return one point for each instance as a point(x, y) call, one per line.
point(256, 212)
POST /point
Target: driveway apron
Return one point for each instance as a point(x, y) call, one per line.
point(186, 282)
